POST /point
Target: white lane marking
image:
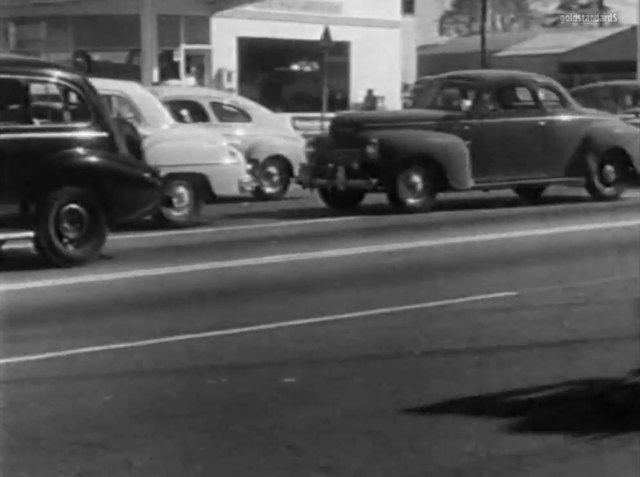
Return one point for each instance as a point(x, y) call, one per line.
point(306, 256)
point(256, 328)
point(230, 228)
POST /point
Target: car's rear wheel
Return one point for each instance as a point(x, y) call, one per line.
point(414, 189)
point(182, 204)
point(531, 194)
point(70, 227)
point(604, 177)
point(274, 179)
point(342, 200)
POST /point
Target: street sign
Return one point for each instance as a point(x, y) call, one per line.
point(325, 40)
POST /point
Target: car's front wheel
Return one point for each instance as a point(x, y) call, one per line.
point(604, 177)
point(182, 204)
point(414, 189)
point(342, 200)
point(70, 227)
point(274, 179)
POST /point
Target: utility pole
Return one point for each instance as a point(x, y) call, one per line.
point(483, 34)
point(326, 42)
point(600, 7)
point(638, 45)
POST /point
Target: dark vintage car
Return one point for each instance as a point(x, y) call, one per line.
point(64, 168)
point(620, 97)
point(481, 130)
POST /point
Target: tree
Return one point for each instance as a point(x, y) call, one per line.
point(463, 18)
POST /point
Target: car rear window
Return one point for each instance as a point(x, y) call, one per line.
point(227, 113)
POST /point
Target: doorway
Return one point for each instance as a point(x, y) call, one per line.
point(196, 66)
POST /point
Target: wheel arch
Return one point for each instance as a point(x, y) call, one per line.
point(428, 162)
point(200, 182)
point(38, 189)
point(448, 151)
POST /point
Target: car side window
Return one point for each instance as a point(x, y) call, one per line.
point(122, 107)
point(451, 95)
point(185, 111)
point(14, 102)
point(54, 103)
point(513, 97)
point(227, 113)
point(550, 98)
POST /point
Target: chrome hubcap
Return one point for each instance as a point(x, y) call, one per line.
point(180, 197)
point(411, 187)
point(608, 174)
point(271, 179)
point(73, 223)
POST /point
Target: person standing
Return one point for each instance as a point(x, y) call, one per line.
point(370, 101)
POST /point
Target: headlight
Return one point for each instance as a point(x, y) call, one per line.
point(372, 149)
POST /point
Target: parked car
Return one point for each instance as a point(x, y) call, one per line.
point(267, 139)
point(64, 168)
point(481, 130)
point(620, 97)
point(197, 166)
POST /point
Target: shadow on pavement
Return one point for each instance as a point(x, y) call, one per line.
point(588, 408)
point(382, 209)
point(28, 261)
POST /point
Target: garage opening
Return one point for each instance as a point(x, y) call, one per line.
point(286, 75)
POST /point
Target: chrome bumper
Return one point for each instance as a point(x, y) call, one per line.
point(340, 182)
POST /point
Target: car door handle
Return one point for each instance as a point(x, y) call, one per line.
point(542, 123)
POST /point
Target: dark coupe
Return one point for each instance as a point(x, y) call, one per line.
point(482, 130)
point(64, 167)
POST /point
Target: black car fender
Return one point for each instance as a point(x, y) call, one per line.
point(448, 151)
point(120, 184)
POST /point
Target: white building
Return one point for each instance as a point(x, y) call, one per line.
point(267, 49)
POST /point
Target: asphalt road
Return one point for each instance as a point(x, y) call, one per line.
point(484, 339)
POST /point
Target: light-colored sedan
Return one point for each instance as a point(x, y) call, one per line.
point(267, 139)
point(197, 165)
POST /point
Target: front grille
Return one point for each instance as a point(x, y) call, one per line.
point(353, 160)
point(345, 156)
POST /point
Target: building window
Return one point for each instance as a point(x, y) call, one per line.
point(408, 7)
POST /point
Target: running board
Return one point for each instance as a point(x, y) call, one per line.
point(570, 182)
point(15, 234)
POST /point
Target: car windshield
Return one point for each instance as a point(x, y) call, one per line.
point(154, 112)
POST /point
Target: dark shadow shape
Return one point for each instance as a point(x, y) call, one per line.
point(13, 261)
point(587, 408)
point(382, 209)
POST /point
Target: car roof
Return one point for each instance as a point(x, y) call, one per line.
point(601, 84)
point(193, 91)
point(25, 63)
point(490, 75)
point(116, 84)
